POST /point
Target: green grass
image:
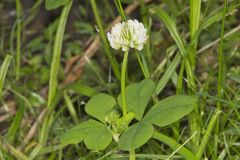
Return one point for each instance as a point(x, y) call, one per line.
point(192, 50)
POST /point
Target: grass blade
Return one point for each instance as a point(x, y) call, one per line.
point(3, 72)
point(167, 75)
point(195, 11)
point(18, 35)
point(71, 108)
point(221, 58)
point(53, 82)
point(183, 151)
point(111, 58)
point(15, 125)
point(120, 9)
point(16, 153)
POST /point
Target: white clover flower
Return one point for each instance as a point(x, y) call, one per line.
point(130, 34)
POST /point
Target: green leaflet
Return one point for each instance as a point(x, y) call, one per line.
point(138, 96)
point(99, 105)
point(95, 135)
point(136, 136)
point(170, 110)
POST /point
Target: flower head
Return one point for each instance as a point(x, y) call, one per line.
point(129, 34)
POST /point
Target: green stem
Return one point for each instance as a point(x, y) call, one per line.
point(18, 34)
point(141, 65)
point(221, 58)
point(132, 155)
point(123, 83)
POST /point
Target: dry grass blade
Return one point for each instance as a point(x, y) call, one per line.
point(33, 129)
point(5, 114)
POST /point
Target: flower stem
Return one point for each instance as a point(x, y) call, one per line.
point(123, 83)
point(141, 65)
point(132, 155)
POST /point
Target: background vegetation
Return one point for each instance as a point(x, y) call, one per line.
point(54, 56)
